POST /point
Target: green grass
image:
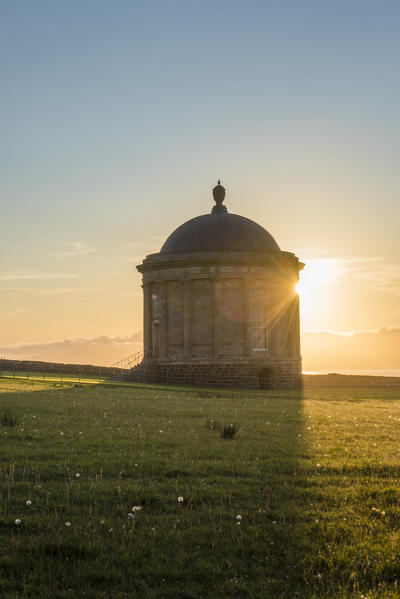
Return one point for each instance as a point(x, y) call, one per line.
point(314, 477)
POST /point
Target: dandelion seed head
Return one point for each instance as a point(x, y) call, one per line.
point(68, 523)
point(180, 499)
point(17, 521)
point(28, 502)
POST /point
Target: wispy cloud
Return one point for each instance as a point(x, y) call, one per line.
point(51, 290)
point(14, 313)
point(140, 248)
point(145, 242)
point(101, 340)
point(27, 275)
point(378, 272)
point(103, 350)
point(321, 349)
point(74, 248)
point(82, 291)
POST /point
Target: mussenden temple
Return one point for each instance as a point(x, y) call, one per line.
point(220, 306)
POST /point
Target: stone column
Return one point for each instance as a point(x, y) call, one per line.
point(297, 327)
point(164, 321)
point(282, 334)
point(217, 317)
point(147, 322)
point(273, 321)
point(292, 327)
point(247, 320)
point(187, 318)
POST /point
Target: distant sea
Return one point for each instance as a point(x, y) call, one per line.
point(372, 372)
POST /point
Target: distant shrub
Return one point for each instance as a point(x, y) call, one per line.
point(228, 431)
point(8, 418)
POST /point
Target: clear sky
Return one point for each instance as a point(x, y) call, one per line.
point(117, 118)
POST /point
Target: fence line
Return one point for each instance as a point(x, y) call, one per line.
point(59, 377)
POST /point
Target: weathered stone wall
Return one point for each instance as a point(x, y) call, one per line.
point(202, 320)
point(217, 319)
point(175, 307)
point(285, 374)
point(233, 316)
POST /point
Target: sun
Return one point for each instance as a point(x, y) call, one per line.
point(317, 277)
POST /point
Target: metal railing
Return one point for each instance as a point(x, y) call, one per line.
point(130, 361)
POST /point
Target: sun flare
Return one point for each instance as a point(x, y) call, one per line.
point(317, 276)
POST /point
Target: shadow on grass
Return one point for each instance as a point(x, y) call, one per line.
point(240, 531)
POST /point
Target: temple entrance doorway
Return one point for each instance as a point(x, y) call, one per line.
point(265, 378)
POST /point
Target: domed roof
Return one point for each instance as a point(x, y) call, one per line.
point(219, 231)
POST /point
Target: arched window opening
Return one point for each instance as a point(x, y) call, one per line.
point(265, 378)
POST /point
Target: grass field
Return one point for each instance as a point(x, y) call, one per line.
point(303, 502)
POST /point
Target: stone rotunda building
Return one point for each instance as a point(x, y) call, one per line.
point(220, 306)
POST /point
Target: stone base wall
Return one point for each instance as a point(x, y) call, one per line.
point(283, 375)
